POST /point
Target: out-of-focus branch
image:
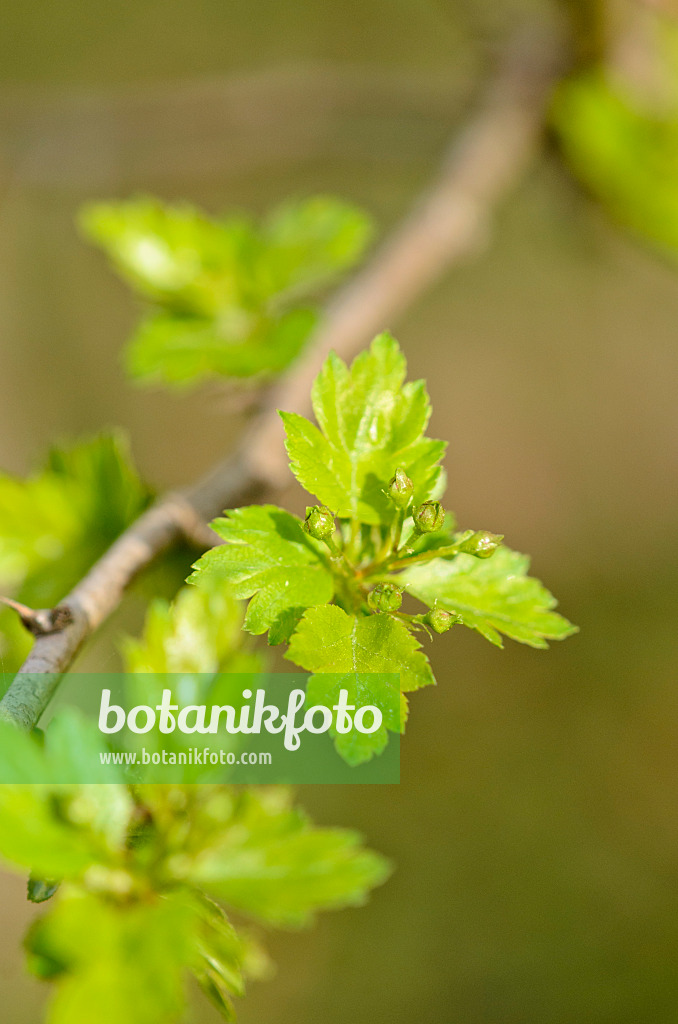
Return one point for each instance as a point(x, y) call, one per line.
point(448, 223)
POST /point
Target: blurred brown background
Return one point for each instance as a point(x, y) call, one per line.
point(535, 830)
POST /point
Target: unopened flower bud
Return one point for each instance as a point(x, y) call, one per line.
point(440, 621)
point(319, 522)
point(482, 544)
point(400, 489)
point(429, 517)
point(385, 597)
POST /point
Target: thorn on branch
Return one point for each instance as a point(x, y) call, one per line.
point(41, 621)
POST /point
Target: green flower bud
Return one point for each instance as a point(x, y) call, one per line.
point(385, 597)
point(319, 522)
point(482, 544)
point(429, 517)
point(400, 489)
point(440, 621)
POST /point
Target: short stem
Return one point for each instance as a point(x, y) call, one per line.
point(425, 556)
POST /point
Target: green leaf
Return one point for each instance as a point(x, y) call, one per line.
point(175, 255)
point(268, 861)
point(370, 423)
point(39, 890)
point(179, 351)
point(200, 631)
point(365, 656)
point(225, 293)
point(224, 958)
point(115, 962)
point(624, 148)
point(493, 596)
point(48, 823)
point(55, 524)
point(267, 557)
point(311, 242)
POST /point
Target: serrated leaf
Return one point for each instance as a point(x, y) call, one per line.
point(493, 596)
point(375, 658)
point(270, 862)
point(369, 423)
point(269, 558)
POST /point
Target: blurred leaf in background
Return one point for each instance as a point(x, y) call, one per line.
point(619, 133)
point(57, 522)
point(226, 295)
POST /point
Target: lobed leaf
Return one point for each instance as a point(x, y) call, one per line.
point(375, 658)
point(269, 862)
point(369, 423)
point(493, 596)
point(268, 558)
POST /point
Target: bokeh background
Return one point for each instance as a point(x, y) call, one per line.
point(535, 830)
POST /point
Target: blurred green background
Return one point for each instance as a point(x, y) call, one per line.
point(535, 830)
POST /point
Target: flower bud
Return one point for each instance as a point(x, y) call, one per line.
point(385, 597)
point(429, 517)
point(440, 621)
point(319, 522)
point(482, 544)
point(400, 489)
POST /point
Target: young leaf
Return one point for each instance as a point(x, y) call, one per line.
point(493, 596)
point(39, 890)
point(225, 292)
point(268, 861)
point(310, 243)
point(179, 351)
point(200, 632)
point(56, 523)
point(48, 822)
point(269, 558)
point(224, 958)
point(625, 150)
point(174, 255)
point(364, 655)
point(370, 424)
point(114, 962)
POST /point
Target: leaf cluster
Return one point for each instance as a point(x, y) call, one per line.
point(331, 586)
point(228, 298)
point(150, 877)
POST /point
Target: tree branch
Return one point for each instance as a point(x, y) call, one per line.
point(449, 222)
